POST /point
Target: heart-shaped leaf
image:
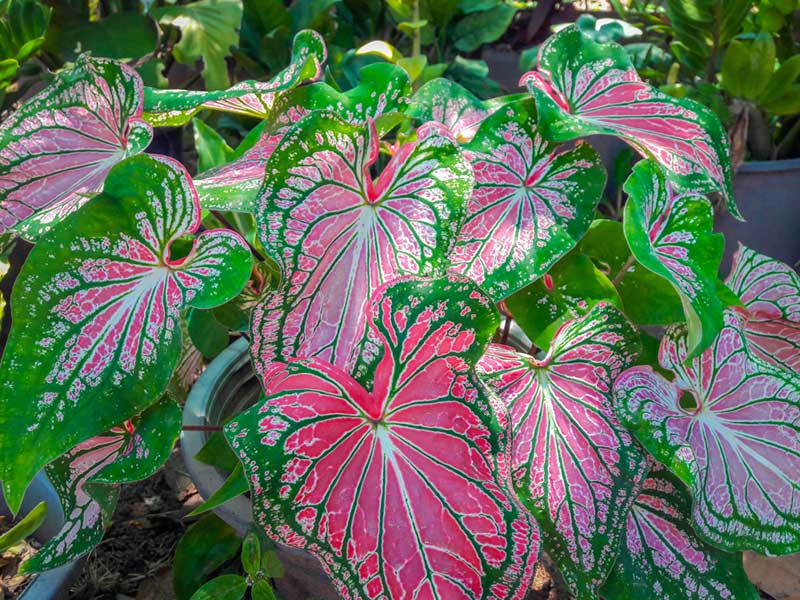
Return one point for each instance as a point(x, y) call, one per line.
point(129, 452)
point(252, 98)
point(573, 465)
point(56, 150)
point(531, 203)
point(96, 310)
point(382, 92)
point(585, 88)
point(338, 235)
point(661, 556)
point(770, 291)
point(672, 235)
point(728, 427)
point(395, 490)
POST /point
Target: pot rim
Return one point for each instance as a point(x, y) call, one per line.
point(236, 512)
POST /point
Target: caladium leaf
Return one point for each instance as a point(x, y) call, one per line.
point(585, 88)
point(531, 203)
point(56, 150)
point(96, 333)
point(338, 235)
point(671, 234)
point(131, 451)
point(727, 426)
point(573, 465)
point(383, 92)
point(396, 490)
point(770, 292)
point(252, 98)
point(662, 557)
point(444, 101)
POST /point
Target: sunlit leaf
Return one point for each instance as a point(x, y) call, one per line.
point(252, 98)
point(448, 103)
point(585, 88)
point(671, 233)
point(58, 147)
point(728, 427)
point(574, 466)
point(530, 205)
point(96, 310)
point(396, 489)
point(338, 234)
point(661, 556)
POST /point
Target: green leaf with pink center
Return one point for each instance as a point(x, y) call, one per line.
point(585, 88)
point(96, 310)
point(672, 235)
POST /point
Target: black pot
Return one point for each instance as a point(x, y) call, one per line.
point(768, 196)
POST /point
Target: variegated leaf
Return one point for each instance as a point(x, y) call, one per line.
point(671, 234)
point(728, 426)
point(396, 490)
point(573, 465)
point(531, 203)
point(252, 98)
point(444, 101)
point(58, 147)
point(585, 88)
point(383, 91)
point(143, 444)
point(96, 310)
point(662, 557)
point(338, 235)
point(770, 291)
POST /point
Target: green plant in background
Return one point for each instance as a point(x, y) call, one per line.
point(23, 24)
point(739, 57)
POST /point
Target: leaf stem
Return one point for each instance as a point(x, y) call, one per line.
point(416, 48)
point(621, 273)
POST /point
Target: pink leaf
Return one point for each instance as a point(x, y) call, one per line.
point(338, 234)
point(729, 426)
point(573, 465)
point(395, 490)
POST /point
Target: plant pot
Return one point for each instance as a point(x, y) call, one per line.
point(766, 193)
point(53, 584)
point(227, 387)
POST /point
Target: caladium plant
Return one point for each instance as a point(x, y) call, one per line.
point(400, 439)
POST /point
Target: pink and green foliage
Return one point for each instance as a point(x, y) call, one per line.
point(443, 101)
point(770, 291)
point(382, 95)
point(573, 465)
point(96, 313)
point(671, 234)
point(251, 98)
point(728, 427)
point(531, 203)
point(56, 150)
point(585, 88)
point(662, 557)
point(85, 479)
point(396, 490)
point(338, 234)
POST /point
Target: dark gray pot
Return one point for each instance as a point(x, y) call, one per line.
point(227, 387)
point(768, 196)
point(53, 584)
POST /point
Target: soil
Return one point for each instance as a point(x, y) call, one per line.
point(137, 550)
point(11, 584)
